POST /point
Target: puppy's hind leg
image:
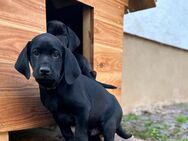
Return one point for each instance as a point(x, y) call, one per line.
point(109, 130)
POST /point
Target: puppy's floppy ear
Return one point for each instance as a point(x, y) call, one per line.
point(71, 68)
point(73, 40)
point(22, 63)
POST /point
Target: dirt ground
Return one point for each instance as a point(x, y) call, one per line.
point(117, 138)
point(160, 123)
point(166, 123)
point(46, 134)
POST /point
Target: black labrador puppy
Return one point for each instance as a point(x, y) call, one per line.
point(72, 98)
point(71, 40)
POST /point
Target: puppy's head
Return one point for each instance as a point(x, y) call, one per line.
point(64, 34)
point(49, 59)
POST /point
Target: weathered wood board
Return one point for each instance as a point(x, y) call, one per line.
point(20, 105)
point(108, 41)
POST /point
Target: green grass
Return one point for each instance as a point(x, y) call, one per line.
point(150, 129)
point(155, 134)
point(184, 139)
point(130, 117)
point(158, 126)
point(181, 119)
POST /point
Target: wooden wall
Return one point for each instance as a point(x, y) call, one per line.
point(20, 105)
point(108, 40)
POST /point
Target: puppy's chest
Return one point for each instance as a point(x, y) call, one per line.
point(63, 100)
point(51, 102)
point(56, 103)
point(68, 104)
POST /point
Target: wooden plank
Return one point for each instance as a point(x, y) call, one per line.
point(20, 104)
point(107, 34)
point(108, 42)
point(14, 84)
point(135, 5)
point(88, 33)
point(113, 78)
point(28, 14)
point(87, 2)
point(109, 11)
point(122, 2)
point(93, 4)
point(107, 59)
point(4, 136)
point(126, 3)
point(11, 43)
point(108, 64)
point(22, 113)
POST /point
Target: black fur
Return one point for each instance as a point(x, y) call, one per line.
point(72, 98)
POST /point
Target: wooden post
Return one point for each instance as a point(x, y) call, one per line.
point(88, 33)
point(4, 136)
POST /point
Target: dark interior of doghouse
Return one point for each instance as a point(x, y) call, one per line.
point(70, 12)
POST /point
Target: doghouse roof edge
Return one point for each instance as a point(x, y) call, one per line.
point(136, 5)
point(130, 5)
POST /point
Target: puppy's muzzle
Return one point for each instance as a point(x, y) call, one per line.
point(44, 71)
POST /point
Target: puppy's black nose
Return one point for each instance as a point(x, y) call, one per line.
point(44, 70)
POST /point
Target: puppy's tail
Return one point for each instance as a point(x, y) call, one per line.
point(107, 86)
point(122, 133)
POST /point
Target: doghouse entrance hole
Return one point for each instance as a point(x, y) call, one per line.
point(79, 17)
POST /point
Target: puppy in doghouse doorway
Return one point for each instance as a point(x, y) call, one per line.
point(72, 98)
point(67, 36)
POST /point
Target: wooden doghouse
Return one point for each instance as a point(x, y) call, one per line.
point(99, 25)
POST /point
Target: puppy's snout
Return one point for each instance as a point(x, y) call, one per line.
point(44, 70)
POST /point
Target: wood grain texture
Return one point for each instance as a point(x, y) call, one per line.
point(11, 43)
point(88, 33)
point(108, 59)
point(107, 34)
point(27, 14)
point(126, 3)
point(113, 78)
point(22, 113)
point(108, 42)
point(87, 2)
point(93, 4)
point(4, 136)
point(108, 63)
point(20, 105)
point(110, 12)
point(14, 84)
point(19, 98)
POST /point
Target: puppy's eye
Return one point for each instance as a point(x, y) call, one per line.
point(35, 52)
point(55, 54)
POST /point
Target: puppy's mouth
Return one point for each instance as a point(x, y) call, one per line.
point(46, 81)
